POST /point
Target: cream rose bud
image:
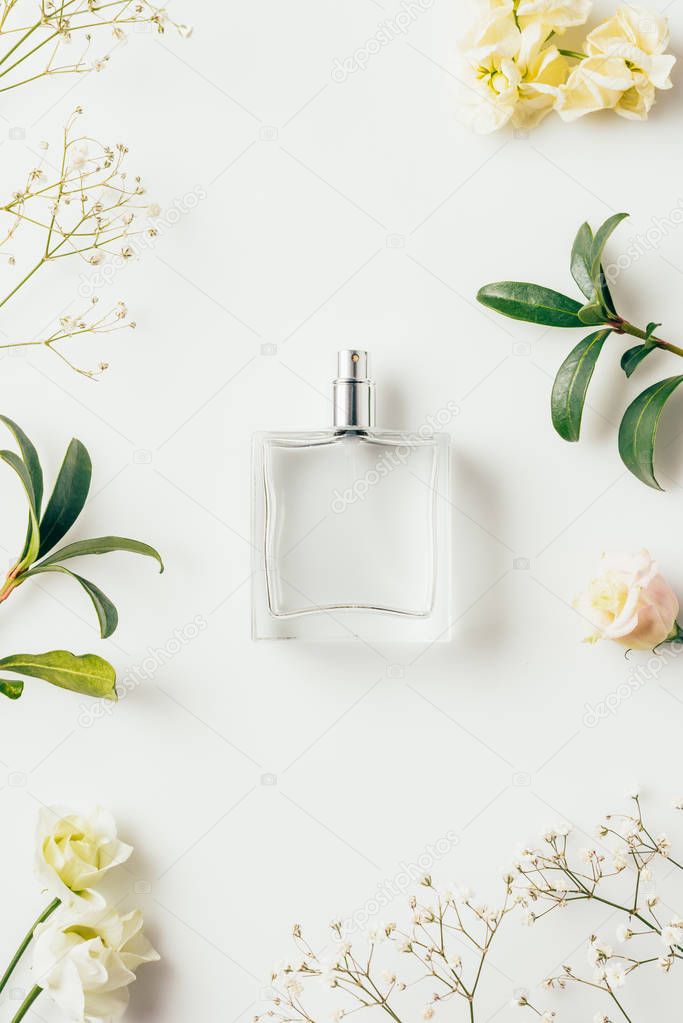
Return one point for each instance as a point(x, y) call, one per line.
point(557, 15)
point(85, 961)
point(75, 851)
point(630, 602)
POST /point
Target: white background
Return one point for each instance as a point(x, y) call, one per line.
point(267, 783)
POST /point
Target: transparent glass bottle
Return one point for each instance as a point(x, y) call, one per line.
point(351, 526)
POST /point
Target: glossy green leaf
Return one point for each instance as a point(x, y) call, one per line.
point(88, 674)
point(32, 542)
point(12, 690)
point(606, 295)
point(592, 315)
point(31, 460)
point(103, 545)
point(571, 385)
point(581, 261)
point(601, 238)
point(651, 328)
point(531, 303)
point(68, 497)
point(107, 615)
point(32, 463)
point(638, 430)
point(632, 358)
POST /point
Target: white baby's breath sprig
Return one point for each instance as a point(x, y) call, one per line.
point(84, 205)
point(439, 952)
point(34, 36)
point(442, 948)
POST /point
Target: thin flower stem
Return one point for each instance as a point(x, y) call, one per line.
point(619, 1006)
point(27, 1003)
point(21, 283)
point(576, 54)
point(26, 942)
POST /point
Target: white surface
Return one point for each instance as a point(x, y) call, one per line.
point(336, 214)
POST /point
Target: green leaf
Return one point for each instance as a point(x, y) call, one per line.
point(650, 329)
point(571, 385)
point(600, 240)
point(606, 295)
point(89, 675)
point(32, 463)
point(103, 545)
point(581, 261)
point(32, 542)
point(12, 690)
point(638, 430)
point(107, 614)
point(632, 358)
point(532, 303)
point(31, 460)
point(592, 315)
point(68, 496)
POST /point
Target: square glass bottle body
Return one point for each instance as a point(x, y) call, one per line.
point(351, 536)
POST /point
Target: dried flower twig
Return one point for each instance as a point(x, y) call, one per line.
point(33, 36)
point(445, 946)
point(86, 208)
point(616, 876)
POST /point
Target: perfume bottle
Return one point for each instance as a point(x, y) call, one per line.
point(351, 526)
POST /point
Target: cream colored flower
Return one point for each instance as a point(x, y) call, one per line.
point(630, 602)
point(556, 15)
point(75, 851)
point(597, 83)
point(639, 38)
point(510, 76)
point(86, 960)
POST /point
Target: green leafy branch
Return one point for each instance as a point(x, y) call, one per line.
point(536, 304)
point(89, 674)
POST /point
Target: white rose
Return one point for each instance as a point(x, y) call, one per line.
point(75, 851)
point(639, 38)
point(86, 960)
point(630, 602)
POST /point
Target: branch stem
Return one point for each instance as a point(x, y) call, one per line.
point(658, 342)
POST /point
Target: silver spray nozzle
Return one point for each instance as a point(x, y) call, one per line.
point(353, 392)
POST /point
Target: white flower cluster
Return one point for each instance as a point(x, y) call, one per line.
point(513, 71)
point(86, 953)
